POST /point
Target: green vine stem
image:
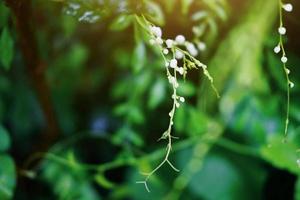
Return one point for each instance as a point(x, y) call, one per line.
point(277, 49)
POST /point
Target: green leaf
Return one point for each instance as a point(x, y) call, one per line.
point(281, 155)
point(185, 6)
point(4, 139)
point(121, 22)
point(157, 94)
point(7, 177)
point(4, 14)
point(219, 179)
point(139, 57)
point(6, 48)
point(155, 13)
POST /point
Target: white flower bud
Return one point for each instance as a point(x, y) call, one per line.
point(173, 63)
point(180, 70)
point(288, 7)
point(287, 71)
point(159, 41)
point(192, 49)
point(282, 30)
point(284, 59)
point(167, 64)
point(201, 46)
point(291, 84)
point(152, 41)
point(180, 39)
point(156, 31)
point(169, 43)
point(277, 49)
point(178, 54)
point(165, 51)
point(182, 99)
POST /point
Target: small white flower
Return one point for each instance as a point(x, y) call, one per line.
point(177, 105)
point(192, 49)
point(180, 39)
point(167, 64)
point(282, 30)
point(291, 84)
point(165, 51)
point(288, 7)
point(178, 54)
point(172, 79)
point(182, 99)
point(287, 71)
point(152, 41)
point(180, 70)
point(284, 59)
point(159, 41)
point(277, 49)
point(169, 43)
point(156, 31)
point(173, 63)
point(201, 46)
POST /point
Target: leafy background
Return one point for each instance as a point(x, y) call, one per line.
point(108, 93)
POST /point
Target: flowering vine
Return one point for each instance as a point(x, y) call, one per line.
point(280, 48)
point(179, 56)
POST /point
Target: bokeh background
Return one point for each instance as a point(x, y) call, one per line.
point(84, 100)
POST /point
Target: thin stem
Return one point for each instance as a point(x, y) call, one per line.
point(286, 71)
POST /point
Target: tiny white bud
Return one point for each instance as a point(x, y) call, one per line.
point(287, 70)
point(167, 64)
point(165, 51)
point(178, 54)
point(180, 39)
point(159, 41)
point(284, 59)
point(173, 63)
point(201, 46)
point(288, 7)
point(191, 49)
point(177, 104)
point(277, 49)
point(156, 31)
point(169, 43)
point(180, 70)
point(152, 41)
point(182, 99)
point(291, 84)
point(282, 30)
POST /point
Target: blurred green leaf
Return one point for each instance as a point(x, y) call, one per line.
point(6, 48)
point(139, 57)
point(7, 177)
point(281, 154)
point(121, 22)
point(219, 179)
point(4, 14)
point(155, 12)
point(185, 6)
point(4, 139)
point(157, 93)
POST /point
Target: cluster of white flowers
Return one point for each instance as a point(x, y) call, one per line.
point(279, 47)
point(179, 56)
